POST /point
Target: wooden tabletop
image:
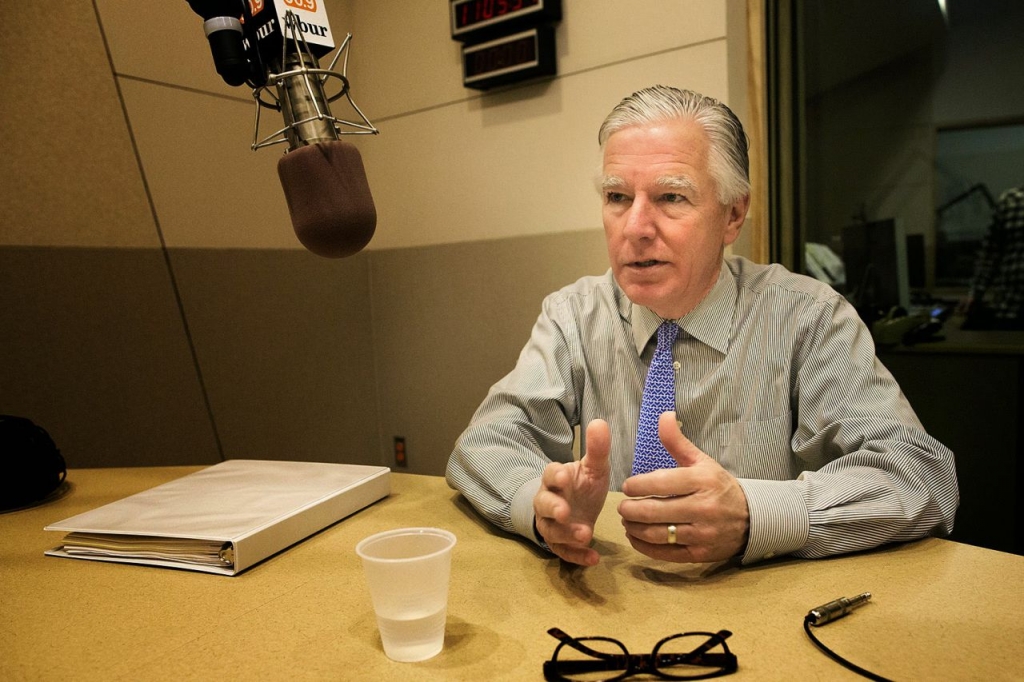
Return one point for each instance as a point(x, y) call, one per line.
point(940, 610)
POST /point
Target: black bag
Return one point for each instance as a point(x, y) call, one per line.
point(31, 466)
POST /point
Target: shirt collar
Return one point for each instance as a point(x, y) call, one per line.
point(710, 322)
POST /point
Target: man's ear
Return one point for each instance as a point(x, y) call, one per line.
point(736, 216)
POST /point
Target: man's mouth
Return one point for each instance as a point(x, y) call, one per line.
point(645, 263)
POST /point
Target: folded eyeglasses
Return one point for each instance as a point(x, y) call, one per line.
point(683, 656)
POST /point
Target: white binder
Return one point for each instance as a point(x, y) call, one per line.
point(225, 518)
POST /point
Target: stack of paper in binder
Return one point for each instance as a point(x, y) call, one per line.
point(225, 518)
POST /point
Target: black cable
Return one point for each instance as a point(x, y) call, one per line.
point(839, 659)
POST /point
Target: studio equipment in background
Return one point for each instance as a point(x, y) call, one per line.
point(274, 46)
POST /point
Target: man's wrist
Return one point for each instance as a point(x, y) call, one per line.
point(521, 512)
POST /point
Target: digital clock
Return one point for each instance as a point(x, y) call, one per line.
point(510, 59)
point(473, 20)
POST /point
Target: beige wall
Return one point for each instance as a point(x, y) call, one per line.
point(155, 306)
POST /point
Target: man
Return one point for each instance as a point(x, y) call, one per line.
point(788, 436)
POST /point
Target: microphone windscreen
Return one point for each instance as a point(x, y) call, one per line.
point(328, 198)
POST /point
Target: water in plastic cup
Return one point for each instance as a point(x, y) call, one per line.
point(407, 571)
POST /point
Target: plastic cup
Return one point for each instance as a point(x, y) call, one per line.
point(407, 571)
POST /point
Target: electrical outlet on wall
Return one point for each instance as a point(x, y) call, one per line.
point(401, 459)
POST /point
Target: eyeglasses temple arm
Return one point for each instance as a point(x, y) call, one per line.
point(580, 646)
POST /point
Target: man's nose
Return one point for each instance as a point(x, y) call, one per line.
point(640, 219)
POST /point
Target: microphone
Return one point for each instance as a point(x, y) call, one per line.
point(323, 177)
point(328, 198)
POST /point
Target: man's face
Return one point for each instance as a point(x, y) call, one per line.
point(665, 228)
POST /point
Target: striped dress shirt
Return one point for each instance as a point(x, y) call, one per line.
point(777, 380)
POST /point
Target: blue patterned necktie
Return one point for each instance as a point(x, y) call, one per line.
point(659, 396)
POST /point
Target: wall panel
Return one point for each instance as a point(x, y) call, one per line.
point(283, 341)
point(516, 162)
point(405, 61)
point(92, 348)
point(210, 189)
point(68, 172)
point(450, 320)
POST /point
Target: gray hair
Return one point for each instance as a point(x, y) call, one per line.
point(727, 158)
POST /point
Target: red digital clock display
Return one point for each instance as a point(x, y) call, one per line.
point(510, 59)
point(517, 52)
point(475, 20)
point(472, 13)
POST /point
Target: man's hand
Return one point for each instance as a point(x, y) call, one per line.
point(571, 497)
point(701, 499)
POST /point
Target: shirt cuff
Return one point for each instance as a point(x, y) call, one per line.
point(522, 511)
point(779, 523)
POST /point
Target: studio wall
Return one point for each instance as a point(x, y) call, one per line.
point(155, 305)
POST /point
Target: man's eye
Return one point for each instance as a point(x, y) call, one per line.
point(614, 197)
point(674, 198)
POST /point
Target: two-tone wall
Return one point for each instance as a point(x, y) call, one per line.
point(155, 306)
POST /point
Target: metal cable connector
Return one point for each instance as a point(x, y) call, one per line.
point(836, 609)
